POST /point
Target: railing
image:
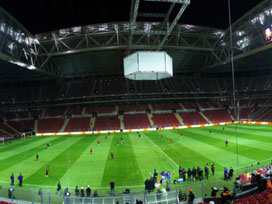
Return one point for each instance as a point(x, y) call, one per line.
point(200, 189)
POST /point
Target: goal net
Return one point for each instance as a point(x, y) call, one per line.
point(245, 120)
point(26, 134)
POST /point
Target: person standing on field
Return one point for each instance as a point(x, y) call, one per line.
point(47, 171)
point(213, 169)
point(12, 179)
point(112, 185)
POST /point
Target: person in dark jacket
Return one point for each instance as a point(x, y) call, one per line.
point(59, 188)
point(213, 169)
point(194, 173)
point(230, 175)
point(82, 193)
point(189, 173)
point(20, 178)
point(225, 174)
point(12, 179)
point(191, 197)
point(77, 191)
point(207, 171)
point(200, 171)
point(226, 196)
point(88, 191)
point(180, 172)
point(184, 174)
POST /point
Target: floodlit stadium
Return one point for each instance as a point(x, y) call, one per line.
point(145, 110)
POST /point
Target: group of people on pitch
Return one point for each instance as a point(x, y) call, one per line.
point(196, 173)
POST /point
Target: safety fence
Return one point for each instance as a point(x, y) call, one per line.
point(175, 193)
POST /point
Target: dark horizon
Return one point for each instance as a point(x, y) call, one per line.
point(45, 16)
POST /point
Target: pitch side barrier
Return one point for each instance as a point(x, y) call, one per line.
point(144, 129)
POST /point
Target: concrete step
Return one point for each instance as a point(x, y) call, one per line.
point(149, 115)
point(179, 118)
point(121, 118)
point(66, 121)
point(204, 116)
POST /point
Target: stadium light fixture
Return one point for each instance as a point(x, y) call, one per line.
point(148, 65)
point(31, 67)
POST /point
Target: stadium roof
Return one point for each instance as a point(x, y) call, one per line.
point(81, 50)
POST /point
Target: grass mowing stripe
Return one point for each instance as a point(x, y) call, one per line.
point(17, 143)
point(59, 165)
point(210, 150)
point(30, 165)
point(20, 150)
point(123, 169)
point(91, 165)
point(149, 157)
point(243, 149)
point(21, 156)
point(264, 133)
point(243, 140)
point(184, 156)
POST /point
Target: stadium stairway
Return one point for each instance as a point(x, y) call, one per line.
point(11, 128)
point(182, 106)
point(6, 133)
point(179, 118)
point(205, 118)
point(92, 123)
point(230, 114)
point(66, 121)
point(199, 106)
point(121, 118)
point(43, 113)
point(83, 111)
point(150, 107)
point(36, 125)
point(149, 115)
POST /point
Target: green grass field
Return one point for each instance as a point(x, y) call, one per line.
point(72, 164)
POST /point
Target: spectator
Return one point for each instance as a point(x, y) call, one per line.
point(159, 194)
point(180, 195)
point(88, 191)
point(226, 196)
point(95, 194)
point(112, 184)
point(59, 188)
point(191, 197)
point(168, 177)
point(82, 193)
point(77, 191)
point(11, 193)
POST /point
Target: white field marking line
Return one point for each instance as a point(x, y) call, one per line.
point(74, 186)
point(162, 151)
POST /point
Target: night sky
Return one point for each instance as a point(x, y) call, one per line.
point(47, 15)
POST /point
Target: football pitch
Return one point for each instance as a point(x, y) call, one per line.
point(70, 161)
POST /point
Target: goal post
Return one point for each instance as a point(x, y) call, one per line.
point(26, 134)
point(245, 120)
